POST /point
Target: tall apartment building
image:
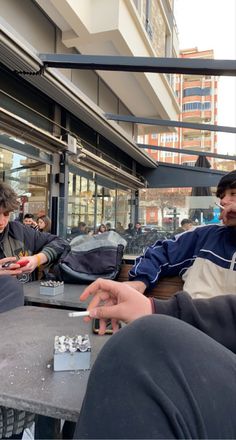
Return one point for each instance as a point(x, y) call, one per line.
point(197, 97)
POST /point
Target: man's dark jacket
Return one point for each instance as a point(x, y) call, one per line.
point(20, 240)
point(215, 316)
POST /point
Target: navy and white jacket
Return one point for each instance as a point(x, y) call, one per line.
point(204, 257)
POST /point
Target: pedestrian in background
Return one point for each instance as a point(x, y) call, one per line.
point(138, 228)
point(119, 228)
point(185, 225)
point(102, 228)
point(29, 220)
point(81, 229)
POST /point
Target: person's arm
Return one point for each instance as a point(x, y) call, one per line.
point(166, 258)
point(215, 316)
point(115, 301)
point(45, 247)
point(120, 302)
point(50, 245)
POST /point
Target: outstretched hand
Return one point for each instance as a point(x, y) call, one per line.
point(115, 301)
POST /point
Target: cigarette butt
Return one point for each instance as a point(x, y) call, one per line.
point(220, 206)
point(76, 314)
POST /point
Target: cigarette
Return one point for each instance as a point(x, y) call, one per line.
point(75, 314)
point(220, 206)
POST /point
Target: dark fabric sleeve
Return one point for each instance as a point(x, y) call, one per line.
point(51, 245)
point(166, 258)
point(215, 316)
point(11, 293)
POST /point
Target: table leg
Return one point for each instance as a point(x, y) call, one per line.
point(47, 428)
point(68, 430)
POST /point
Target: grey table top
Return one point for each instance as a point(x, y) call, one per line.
point(70, 297)
point(27, 379)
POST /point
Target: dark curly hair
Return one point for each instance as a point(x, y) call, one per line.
point(8, 198)
point(226, 182)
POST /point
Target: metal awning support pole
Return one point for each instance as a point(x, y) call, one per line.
point(186, 66)
point(166, 123)
point(187, 151)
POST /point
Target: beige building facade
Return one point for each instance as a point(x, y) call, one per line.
point(54, 121)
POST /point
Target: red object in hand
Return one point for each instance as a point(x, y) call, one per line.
point(22, 263)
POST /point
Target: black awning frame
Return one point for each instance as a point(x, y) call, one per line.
point(186, 66)
point(187, 151)
point(167, 123)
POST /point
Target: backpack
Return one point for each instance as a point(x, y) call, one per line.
point(92, 257)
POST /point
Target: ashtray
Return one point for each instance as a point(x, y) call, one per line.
point(72, 353)
point(51, 288)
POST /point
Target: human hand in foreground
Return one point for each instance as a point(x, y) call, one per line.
point(12, 269)
point(137, 285)
point(115, 301)
point(228, 214)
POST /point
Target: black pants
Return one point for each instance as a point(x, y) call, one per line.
point(11, 293)
point(160, 378)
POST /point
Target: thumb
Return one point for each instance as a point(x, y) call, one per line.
point(105, 312)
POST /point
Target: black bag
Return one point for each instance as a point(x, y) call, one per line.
point(93, 257)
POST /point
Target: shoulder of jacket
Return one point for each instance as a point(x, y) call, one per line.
point(15, 226)
point(208, 229)
point(18, 230)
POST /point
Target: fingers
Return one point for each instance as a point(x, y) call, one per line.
point(103, 285)
point(9, 266)
point(106, 312)
point(115, 325)
point(7, 260)
point(102, 327)
point(228, 215)
point(100, 298)
point(13, 270)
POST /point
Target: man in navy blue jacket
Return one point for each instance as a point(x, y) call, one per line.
point(169, 373)
point(205, 257)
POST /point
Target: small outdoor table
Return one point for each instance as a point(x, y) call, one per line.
point(69, 299)
point(27, 379)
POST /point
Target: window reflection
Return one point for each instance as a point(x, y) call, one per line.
point(165, 208)
point(95, 204)
point(124, 215)
point(29, 179)
point(81, 201)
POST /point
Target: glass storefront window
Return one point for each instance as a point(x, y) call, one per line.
point(123, 214)
point(106, 206)
point(165, 208)
point(95, 204)
point(81, 201)
point(29, 179)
